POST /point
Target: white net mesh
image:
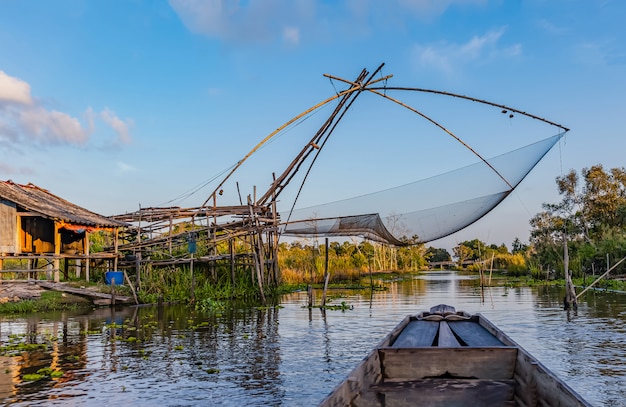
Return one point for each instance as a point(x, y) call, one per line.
point(421, 209)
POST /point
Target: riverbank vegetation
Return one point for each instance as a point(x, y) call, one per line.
point(49, 301)
point(590, 219)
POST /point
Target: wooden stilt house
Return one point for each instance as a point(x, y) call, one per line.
point(43, 230)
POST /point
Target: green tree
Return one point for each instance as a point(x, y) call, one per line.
point(591, 215)
point(518, 247)
point(462, 253)
point(434, 254)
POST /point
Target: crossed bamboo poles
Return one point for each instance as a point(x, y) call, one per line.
point(363, 83)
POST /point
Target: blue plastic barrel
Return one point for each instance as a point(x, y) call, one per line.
point(117, 276)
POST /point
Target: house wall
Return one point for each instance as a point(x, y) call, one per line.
point(37, 235)
point(8, 227)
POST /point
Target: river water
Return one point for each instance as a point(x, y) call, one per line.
point(291, 355)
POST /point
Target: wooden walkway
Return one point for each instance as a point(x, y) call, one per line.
point(98, 298)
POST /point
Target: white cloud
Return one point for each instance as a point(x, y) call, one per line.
point(52, 126)
point(291, 35)
point(221, 19)
point(430, 8)
point(448, 58)
point(25, 121)
point(551, 28)
point(121, 127)
point(6, 169)
point(14, 90)
point(123, 167)
point(289, 21)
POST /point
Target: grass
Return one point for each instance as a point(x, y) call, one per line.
point(49, 301)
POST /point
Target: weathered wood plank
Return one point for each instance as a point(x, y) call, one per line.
point(417, 333)
point(83, 292)
point(446, 337)
point(473, 334)
point(352, 391)
point(447, 392)
point(357, 383)
point(420, 363)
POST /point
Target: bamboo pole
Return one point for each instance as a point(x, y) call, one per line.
point(57, 251)
point(193, 281)
point(138, 254)
point(601, 277)
point(504, 107)
point(491, 268)
point(322, 134)
point(326, 274)
point(132, 288)
point(231, 249)
point(115, 247)
point(275, 132)
point(257, 252)
point(87, 254)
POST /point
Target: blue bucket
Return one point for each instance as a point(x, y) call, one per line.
point(111, 276)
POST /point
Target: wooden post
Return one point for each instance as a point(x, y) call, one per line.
point(491, 268)
point(569, 301)
point(87, 260)
point(326, 275)
point(57, 252)
point(137, 270)
point(258, 250)
point(169, 240)
point(138, 253)
point(113, 292)
point(260, 265)
point(310, 287)
point(132, 289)
point(115, 246)
point(231, 249)
point(193, 280)
point(277, 277)
point(214, 240)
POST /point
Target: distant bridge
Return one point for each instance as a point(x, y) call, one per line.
point(449, 263)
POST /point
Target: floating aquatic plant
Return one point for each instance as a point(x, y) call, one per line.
point(32, 377)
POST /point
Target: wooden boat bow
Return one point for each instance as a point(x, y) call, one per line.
point(442, 357)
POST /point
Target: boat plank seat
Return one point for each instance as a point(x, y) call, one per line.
point(473, 334)
point(447, 392)
point(446, 337)
point(417, 333)
point(400, 364)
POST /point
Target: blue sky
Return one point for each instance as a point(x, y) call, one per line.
point(113, 105)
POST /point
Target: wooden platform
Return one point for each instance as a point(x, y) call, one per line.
point(98, 298)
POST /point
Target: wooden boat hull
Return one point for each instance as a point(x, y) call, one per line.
point(448, 358)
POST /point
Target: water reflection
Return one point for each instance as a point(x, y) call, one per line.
point(292, 355)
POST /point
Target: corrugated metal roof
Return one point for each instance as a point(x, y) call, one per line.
point(38, 200)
